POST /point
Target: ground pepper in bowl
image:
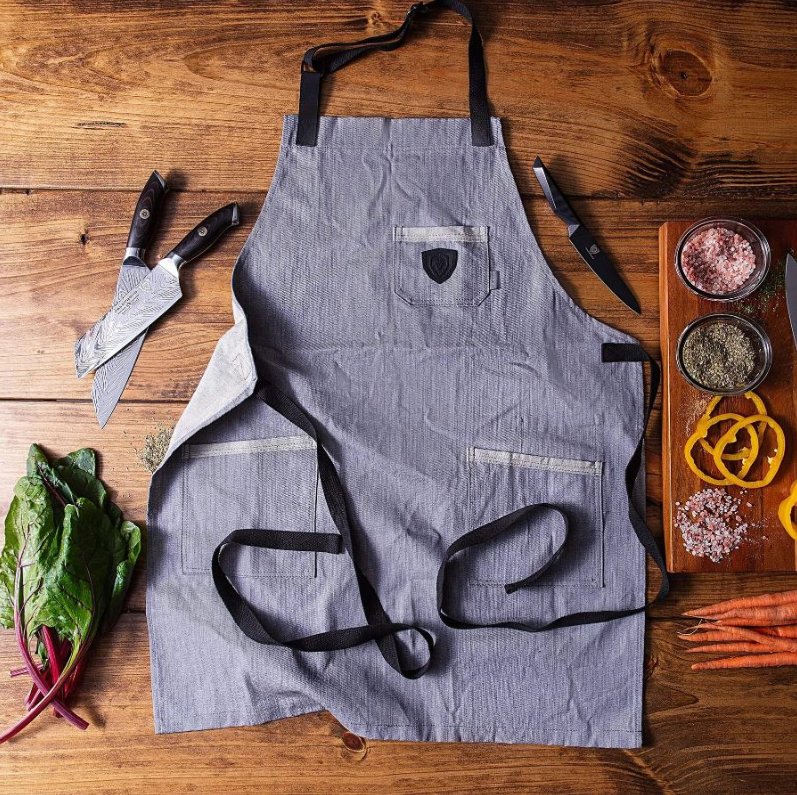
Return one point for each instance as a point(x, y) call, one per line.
point(720, 356)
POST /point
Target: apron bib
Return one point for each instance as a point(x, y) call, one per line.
point(409, 487)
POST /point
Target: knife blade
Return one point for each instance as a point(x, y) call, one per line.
point(583, 242)
point(111, 378)
point(152, 297)
point(791, 292)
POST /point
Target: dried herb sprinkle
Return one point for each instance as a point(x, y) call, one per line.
point(719, 356)
point(155, 447)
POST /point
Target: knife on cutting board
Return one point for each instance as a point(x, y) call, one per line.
point(111, 378)
point(582, 240)
point(153, 296)
point(791, 292)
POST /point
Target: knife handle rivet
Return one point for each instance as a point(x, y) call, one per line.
point(202, 231)
point(144, 214)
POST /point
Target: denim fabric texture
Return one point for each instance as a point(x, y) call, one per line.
point(443, 406)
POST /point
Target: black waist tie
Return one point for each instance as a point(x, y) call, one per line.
point(379, 627)
point(611, 352)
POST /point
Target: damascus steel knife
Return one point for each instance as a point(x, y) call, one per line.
point(111, 378)
point(791, 292)
point(154, 295)
point(583, 242)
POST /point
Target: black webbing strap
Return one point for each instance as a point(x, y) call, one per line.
point(379, 626)
point(326, 58)
point(611, 352)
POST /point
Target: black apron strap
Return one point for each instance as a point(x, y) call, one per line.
point(379, 626)
point(326, 58)
point(611, 352)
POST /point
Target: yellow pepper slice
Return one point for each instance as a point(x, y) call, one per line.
point(774, 461)
point(701, 431)
point(784, 511)
point(744, 452)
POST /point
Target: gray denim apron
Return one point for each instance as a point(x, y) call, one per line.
point(408, 487)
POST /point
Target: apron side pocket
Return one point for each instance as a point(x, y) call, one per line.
point(441, 265)
point(502, 481)
point(267, 483)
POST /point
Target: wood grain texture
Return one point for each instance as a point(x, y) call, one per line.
point(646, 111)
point(69, 244)
point(767, 546)
point(688, 716)
point(627, 99)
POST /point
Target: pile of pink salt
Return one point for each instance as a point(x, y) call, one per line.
point(718, 260)
point(711, 524)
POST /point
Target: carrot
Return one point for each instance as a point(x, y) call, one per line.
point(742, 621)
point(719, 635)
point(781, 644)
point(765, 600)
point(722, 648)
point(788, 631)
point(748, 661)
point(781, 614)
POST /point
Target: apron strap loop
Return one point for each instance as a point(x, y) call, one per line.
point(611, 352)
point(326, 58)
point(379, 627)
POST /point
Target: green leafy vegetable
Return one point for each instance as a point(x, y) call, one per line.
point(64, 570)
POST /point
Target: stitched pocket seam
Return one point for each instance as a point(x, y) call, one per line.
point(572, 466)
point(438, 234)
point(277, 444)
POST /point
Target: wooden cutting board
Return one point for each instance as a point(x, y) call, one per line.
point(768, 547)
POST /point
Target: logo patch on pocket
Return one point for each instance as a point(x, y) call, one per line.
point(439, 263)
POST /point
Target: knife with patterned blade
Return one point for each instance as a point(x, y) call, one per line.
point(153, 296)
point(111, 378)
point(583, 242)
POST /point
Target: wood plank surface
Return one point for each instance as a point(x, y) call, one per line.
point(766, 547)
point(688, 715)
point(628, 99)
point(644, 112)
point(67, 240)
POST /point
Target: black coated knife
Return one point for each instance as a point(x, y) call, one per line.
point(791, 292)
point(583, 242)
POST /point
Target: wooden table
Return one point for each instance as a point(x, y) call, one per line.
point(644, 111)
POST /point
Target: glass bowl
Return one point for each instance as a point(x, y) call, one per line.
point(752, 234)
point(761, 346)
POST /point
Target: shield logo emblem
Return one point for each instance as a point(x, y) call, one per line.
point(439, 263)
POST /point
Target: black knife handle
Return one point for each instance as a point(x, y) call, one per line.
point(147, 211)
point(206, 233)
point(554, 196)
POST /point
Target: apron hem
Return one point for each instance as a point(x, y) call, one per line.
point(585, 737)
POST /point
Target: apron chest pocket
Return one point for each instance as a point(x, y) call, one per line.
point(441, 265)
point(501, 482)
point(260, 483)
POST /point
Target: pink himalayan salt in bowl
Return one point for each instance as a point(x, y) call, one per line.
point(722, 258)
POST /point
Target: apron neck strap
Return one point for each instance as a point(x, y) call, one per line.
point(325, 58)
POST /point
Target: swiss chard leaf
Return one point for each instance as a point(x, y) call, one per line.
point(31, 542)
point(78, 585)
point(126, 552)
point(81, 483)
point(36, 456)
point(85, 459)
point(77, 553)
point(65, 566)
